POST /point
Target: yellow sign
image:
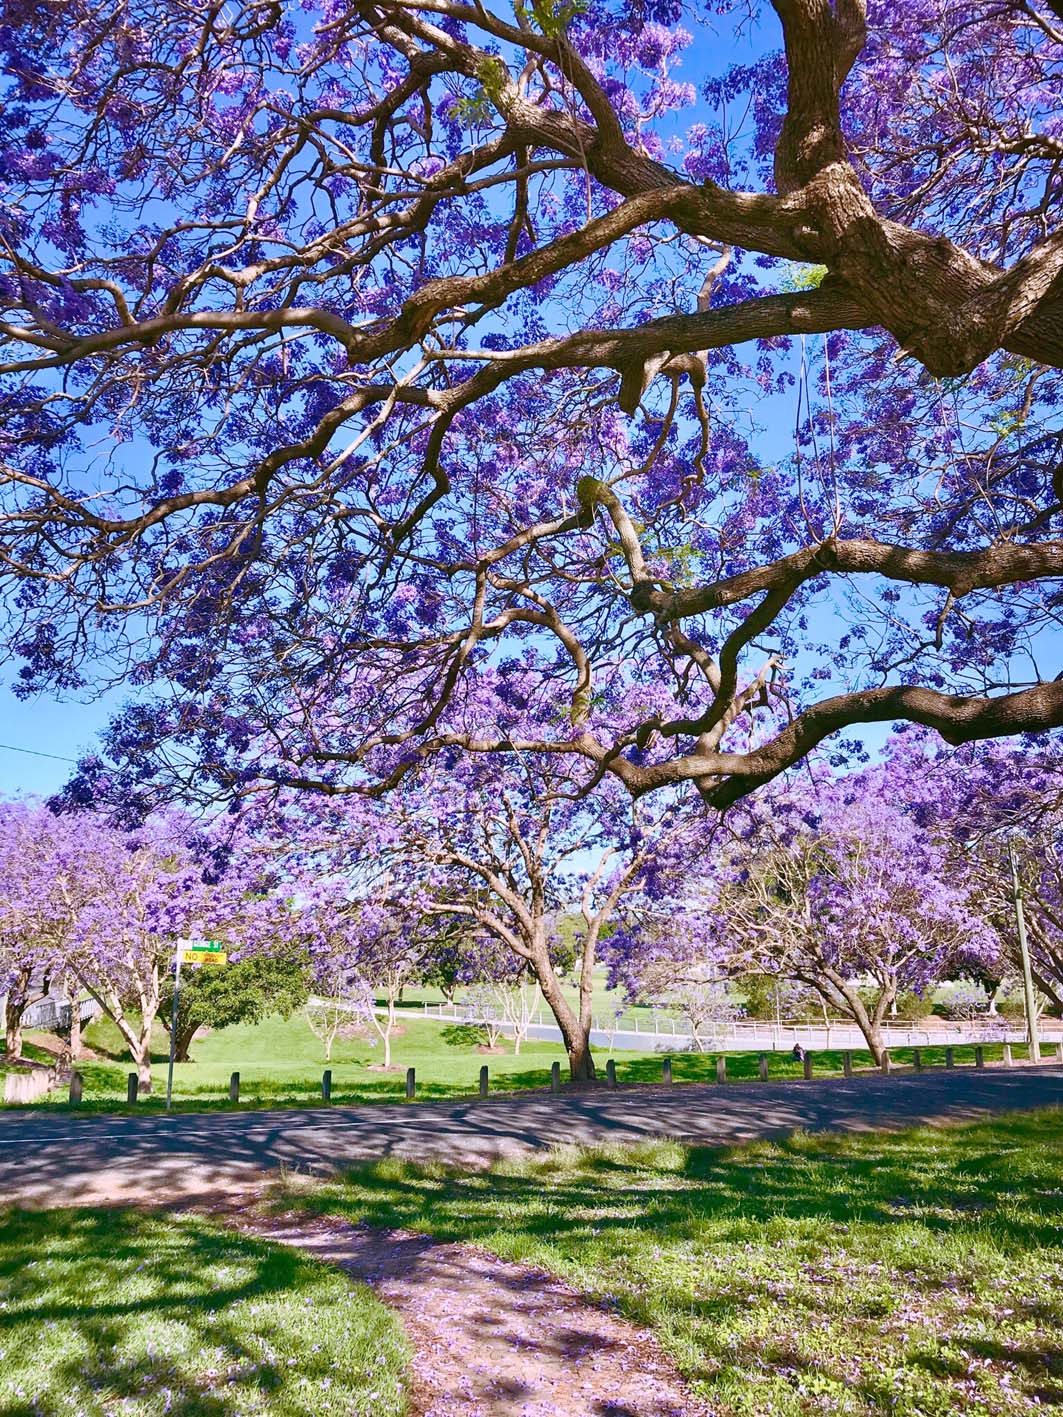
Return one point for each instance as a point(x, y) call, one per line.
point(203, 957)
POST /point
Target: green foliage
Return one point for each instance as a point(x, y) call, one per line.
point(477, 108)
point(918, 1274)
point(803, 277)
point(1012, 1007)
point(107, 1311)
point(551, 19)
point(463, 1035)
point(913, 1007)
point(244, 992)
point(758, 994)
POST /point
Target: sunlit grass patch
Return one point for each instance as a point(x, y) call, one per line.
point(915, 1273)
point(114, 1312)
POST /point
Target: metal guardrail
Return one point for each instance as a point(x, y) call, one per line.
point(53, 1013)
point(753, 1035)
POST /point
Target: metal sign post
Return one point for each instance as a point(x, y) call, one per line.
point(173, 1029)
point(1024, 952)
point(195, 952)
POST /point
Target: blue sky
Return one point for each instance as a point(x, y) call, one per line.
point(44, 725)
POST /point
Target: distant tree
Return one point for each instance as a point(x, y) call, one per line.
point(244, 991)
point(846, 894)
point(51, 868)
point(980, 803)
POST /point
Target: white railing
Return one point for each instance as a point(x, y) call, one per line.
point(754, 1034)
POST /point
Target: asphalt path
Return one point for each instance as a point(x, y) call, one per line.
point(52, 1158)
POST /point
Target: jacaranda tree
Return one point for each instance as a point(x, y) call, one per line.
point(500, 846)
point(847, 894)
point(413, 334)
point(984, 806)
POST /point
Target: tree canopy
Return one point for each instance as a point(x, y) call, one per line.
point(704, 359)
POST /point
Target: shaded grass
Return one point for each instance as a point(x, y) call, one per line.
point(280, 1065)
point(114, 1311)
point(916, 1273)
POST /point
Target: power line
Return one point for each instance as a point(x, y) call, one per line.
point(36, 753)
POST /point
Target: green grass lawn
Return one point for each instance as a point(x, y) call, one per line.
point(107, 1312)
point(280, 1064)
point(918, 1274)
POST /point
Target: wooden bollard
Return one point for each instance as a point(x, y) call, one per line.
point(1009, 1057)
point(1059, 1050)
point(806, 1067)
point(131, 1088)
point(887, 1064)
point(847, 1062)
point(666, 1070)
point(610, 1073)
point(950, 1058)
point(483, 1081)
point(555, 1077)
point(326, 1085)
point(411, 1084)
point(979, 1056)
point(234, 1087)
point(721, 1068)
point(762, 1067)
point(77, 1087)
point(917, 1059)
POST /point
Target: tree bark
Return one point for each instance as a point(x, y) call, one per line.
point(14, 1007)
point(73, 994)
point(183, 1042)
point(575, 1032)
point(869, 1024)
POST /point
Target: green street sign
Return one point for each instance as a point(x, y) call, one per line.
point(205, 947)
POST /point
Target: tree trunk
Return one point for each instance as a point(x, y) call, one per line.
point(73, 994)
point(143, 1062)
point(14, 1008)
point(574, 1032)
point(870, 1025)
point(183, 1043)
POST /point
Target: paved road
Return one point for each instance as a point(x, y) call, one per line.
point(59, 1159)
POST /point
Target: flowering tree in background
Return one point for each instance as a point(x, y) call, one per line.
point(159, 892)
point(668, 953)
point(51, 868)
point(501, 851)
point(405, 336)
point(977, 804)
point(503, 992)
point(846, 894)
